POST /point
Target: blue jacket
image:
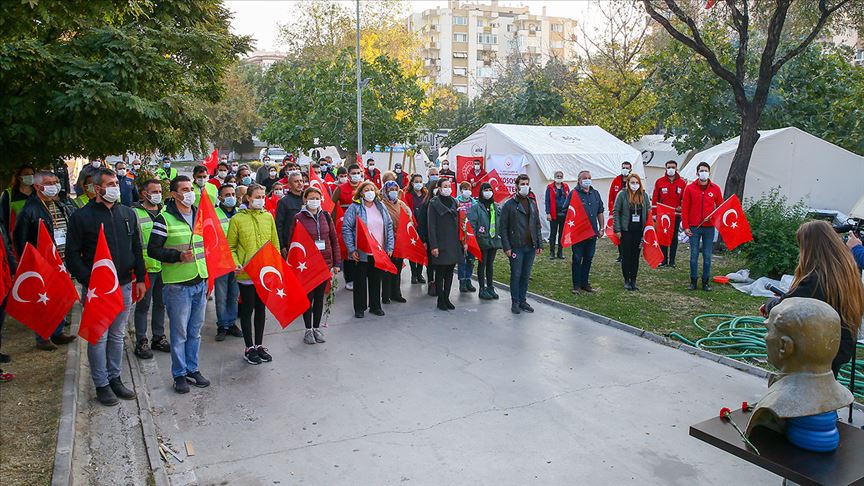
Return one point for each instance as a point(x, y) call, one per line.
point(127, 191)
point(858, 254)
point(349, 228)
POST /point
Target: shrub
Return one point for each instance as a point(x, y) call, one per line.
point(774, 250)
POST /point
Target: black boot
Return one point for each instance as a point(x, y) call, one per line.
point(633, 284)
point(432, 291)
point(551, 251)
point(692, 284)
point(627, 284)
point(705, 285)
point(120, 389)
point(469, 286)
point(463, 287)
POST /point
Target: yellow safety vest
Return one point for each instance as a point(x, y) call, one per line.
point(145, 227)
point(211, 191)
point(180, 238)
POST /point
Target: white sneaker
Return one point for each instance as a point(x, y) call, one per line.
point(349, 286)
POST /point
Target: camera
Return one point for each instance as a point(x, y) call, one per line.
point(853, 225)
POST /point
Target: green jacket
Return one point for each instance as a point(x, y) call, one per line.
point(480, 218)
point(248, 231)
point(621, 212)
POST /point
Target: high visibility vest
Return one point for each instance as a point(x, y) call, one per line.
point(172, 173)
point(81, 200)
point(224, 219)
point(145, 227)
point(180, 238)
point(15, 207)
point(211, 191)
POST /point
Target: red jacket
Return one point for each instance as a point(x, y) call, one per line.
point(324, 229)
point(698, 203)
point(375, 177)
point(669, 193)
point(614, 189)
point(346, 194)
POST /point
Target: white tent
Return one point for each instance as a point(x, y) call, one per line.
point(539, 151)
point(656, 151)
point(804, 166)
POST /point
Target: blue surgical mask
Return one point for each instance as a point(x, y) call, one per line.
point(229, 202)
point(433, 178)
point(247, 180)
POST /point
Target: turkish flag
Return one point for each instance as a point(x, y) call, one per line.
point(276, 285)
point(471, 240)
point(212, 161)
point(665, 224)
point(499, 190)
point(577, 226)
point(360, 163)
point(315, 181)
point(465, 167)
point(730, 221)
point(610, 232)
point(337, 222)
point(270, 204)
point(217, 253)
point(41, 293)
point(104, 299)
point(306, 260)
point(5, 272)
point(709, 4)
point(408, 245)
point(651, 247)
point(367, 244)
point(46, 248)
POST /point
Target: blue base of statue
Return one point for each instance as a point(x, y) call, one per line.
point(815, 433)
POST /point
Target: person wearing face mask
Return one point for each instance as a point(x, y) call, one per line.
point(127, 191)
point(583, 252)
point(288, 207)
point(343, 196)
point(466, 265)
point(556, 212)
point(166, 172)
point(184, 279)
point(616, 187)
point(270, 180)
point(225, 288)
point(432, 178)
point(263, 172)
point(701, 198)
point(248, 231)
point(14, 197)
point(319, 224)
point(244, 177)
point(669, 190)
point(476, 176)
point(422, 216)
point(147, 209)
point(445, 248)
point(486, 222)
point(446, 172)
point(391, 284)
point(341, 178)
point(136, 169)
point(630, 215)
point(368, 208)
point(221, 173)
point(88, 194)
point(401, 176)
point(45, 204)
point(372, 173)
point(200, 175)
point(124, 242)
point(87, 171)
point(521, 241)
point(235, 166)
point(414, 197)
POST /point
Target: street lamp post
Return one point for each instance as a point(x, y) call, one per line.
point(359, 89)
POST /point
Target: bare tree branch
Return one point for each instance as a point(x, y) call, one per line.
point(825, 13)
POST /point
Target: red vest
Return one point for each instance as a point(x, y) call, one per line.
point(346, 194)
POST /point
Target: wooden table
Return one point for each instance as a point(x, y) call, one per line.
point(843, 467)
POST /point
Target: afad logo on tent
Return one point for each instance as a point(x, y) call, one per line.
point(562, 136)
point(477, 149)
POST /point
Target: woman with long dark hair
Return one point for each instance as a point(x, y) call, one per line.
point(630, 215)
point(485, 221)
point(444, 246)
point(414, 196)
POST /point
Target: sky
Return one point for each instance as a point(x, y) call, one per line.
point(261, 18)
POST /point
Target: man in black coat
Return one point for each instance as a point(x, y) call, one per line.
point(521, 241)
point(287, 208)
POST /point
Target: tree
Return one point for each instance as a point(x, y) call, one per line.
point(682, 20)
point(95, 77)
point(234, 118)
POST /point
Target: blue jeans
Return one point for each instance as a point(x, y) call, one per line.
point(185, 305)
point(521, 262)
point(583, 255)
point(466, 267)
point(143, 309)
point(106, 356)
point(227, 293)
point(706, 235)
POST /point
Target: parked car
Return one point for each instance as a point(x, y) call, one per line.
point(276, 154)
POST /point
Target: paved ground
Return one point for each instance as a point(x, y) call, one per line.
point(476, 396)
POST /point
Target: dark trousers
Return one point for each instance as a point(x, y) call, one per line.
point(583, 256)
point(312, 316)
point(391, 284)
point(670, 251)
point(367, 284)
point(443, 282)
point(521, 264)
point(143, 312)
point(430, 269)
point(249, 303)
point(630, 254)
point(416, 270)
point(485, 268)
point(349, 268)
point(556, 230)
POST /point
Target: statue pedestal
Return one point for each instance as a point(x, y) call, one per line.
point(842, 467)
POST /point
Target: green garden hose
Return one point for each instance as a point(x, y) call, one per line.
point(743, 337)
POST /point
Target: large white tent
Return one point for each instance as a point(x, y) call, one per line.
point(656, 151)
point(803, 166)
point(539, 151)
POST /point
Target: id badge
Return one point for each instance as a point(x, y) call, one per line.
point(320, 244)
point(59, 237)
point(635, 218)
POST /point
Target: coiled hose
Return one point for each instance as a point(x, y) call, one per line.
point(743, 337)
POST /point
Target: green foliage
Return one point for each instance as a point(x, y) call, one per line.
point(234, 118)
point(774, 249)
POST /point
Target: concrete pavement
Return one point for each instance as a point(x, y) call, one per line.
point(473, 396)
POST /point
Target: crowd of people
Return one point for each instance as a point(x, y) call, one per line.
point(160, 259)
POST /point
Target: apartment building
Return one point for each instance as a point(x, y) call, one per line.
point(466, 44)
point(264, 59)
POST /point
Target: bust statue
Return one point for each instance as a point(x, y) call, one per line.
point(803, 338)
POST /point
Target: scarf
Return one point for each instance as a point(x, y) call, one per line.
point(553, 210)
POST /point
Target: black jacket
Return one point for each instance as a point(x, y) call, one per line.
point(156, 246)
point(443, 227)
point(27, 223)
point(287, 208)
point(516, 223)
point(121, 233)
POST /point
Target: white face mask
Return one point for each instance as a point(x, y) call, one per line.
point(136, 166)
point(155, 199)
point(121, 172)
point(393, 195)
point(27, 180)
point(586, 183)
point(369, 196)
point(487, 194)
point(201, 181)
point(343, 179)
point(670, 172)
point(625, 172)
point(355, 178)
point(279, 193)
point(222, 174)
point(559, 180)
point(313, 204)
point(523, 190)
point(235, 167)
point(112, 194)
point(418, 186)
point(189, 198)
point(476, 167)
point(256, 203)
point(446, 191)
point(703, 175)
point(371, 167)
point(272, 174)
point(96, 164)
point(445, 167)
point(466, 194)
point(397, 170)
point(634, 187)
point(52, 190)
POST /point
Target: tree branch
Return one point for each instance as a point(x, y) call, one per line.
point(825, 13)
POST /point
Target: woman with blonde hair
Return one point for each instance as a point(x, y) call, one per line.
point(827, 272)
point(630, 215)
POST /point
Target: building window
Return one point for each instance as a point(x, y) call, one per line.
point(461, 89)
point(460, 37)
point(460, 20)
point(557, 27)
point(460, 71)
point(460, 55)
point(485, 72)
point(479, 21)
point(511, 27)
point(487, 38)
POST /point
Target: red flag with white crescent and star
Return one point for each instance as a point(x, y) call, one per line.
point(316, 182)
point(610, 232)
point(104, 299)
point(337, 222)
point(651, 247)
point(730, 221)
point(212, 161)
point(45, 246)
point(306, 260)
point(665, 224)
point(368, 244)
point(5, 272)
point(577, 226)
point(276, 285)
point(408, 244)
point(499, 190)
point(471, 241)
point(217, 253)
point(40, 297)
